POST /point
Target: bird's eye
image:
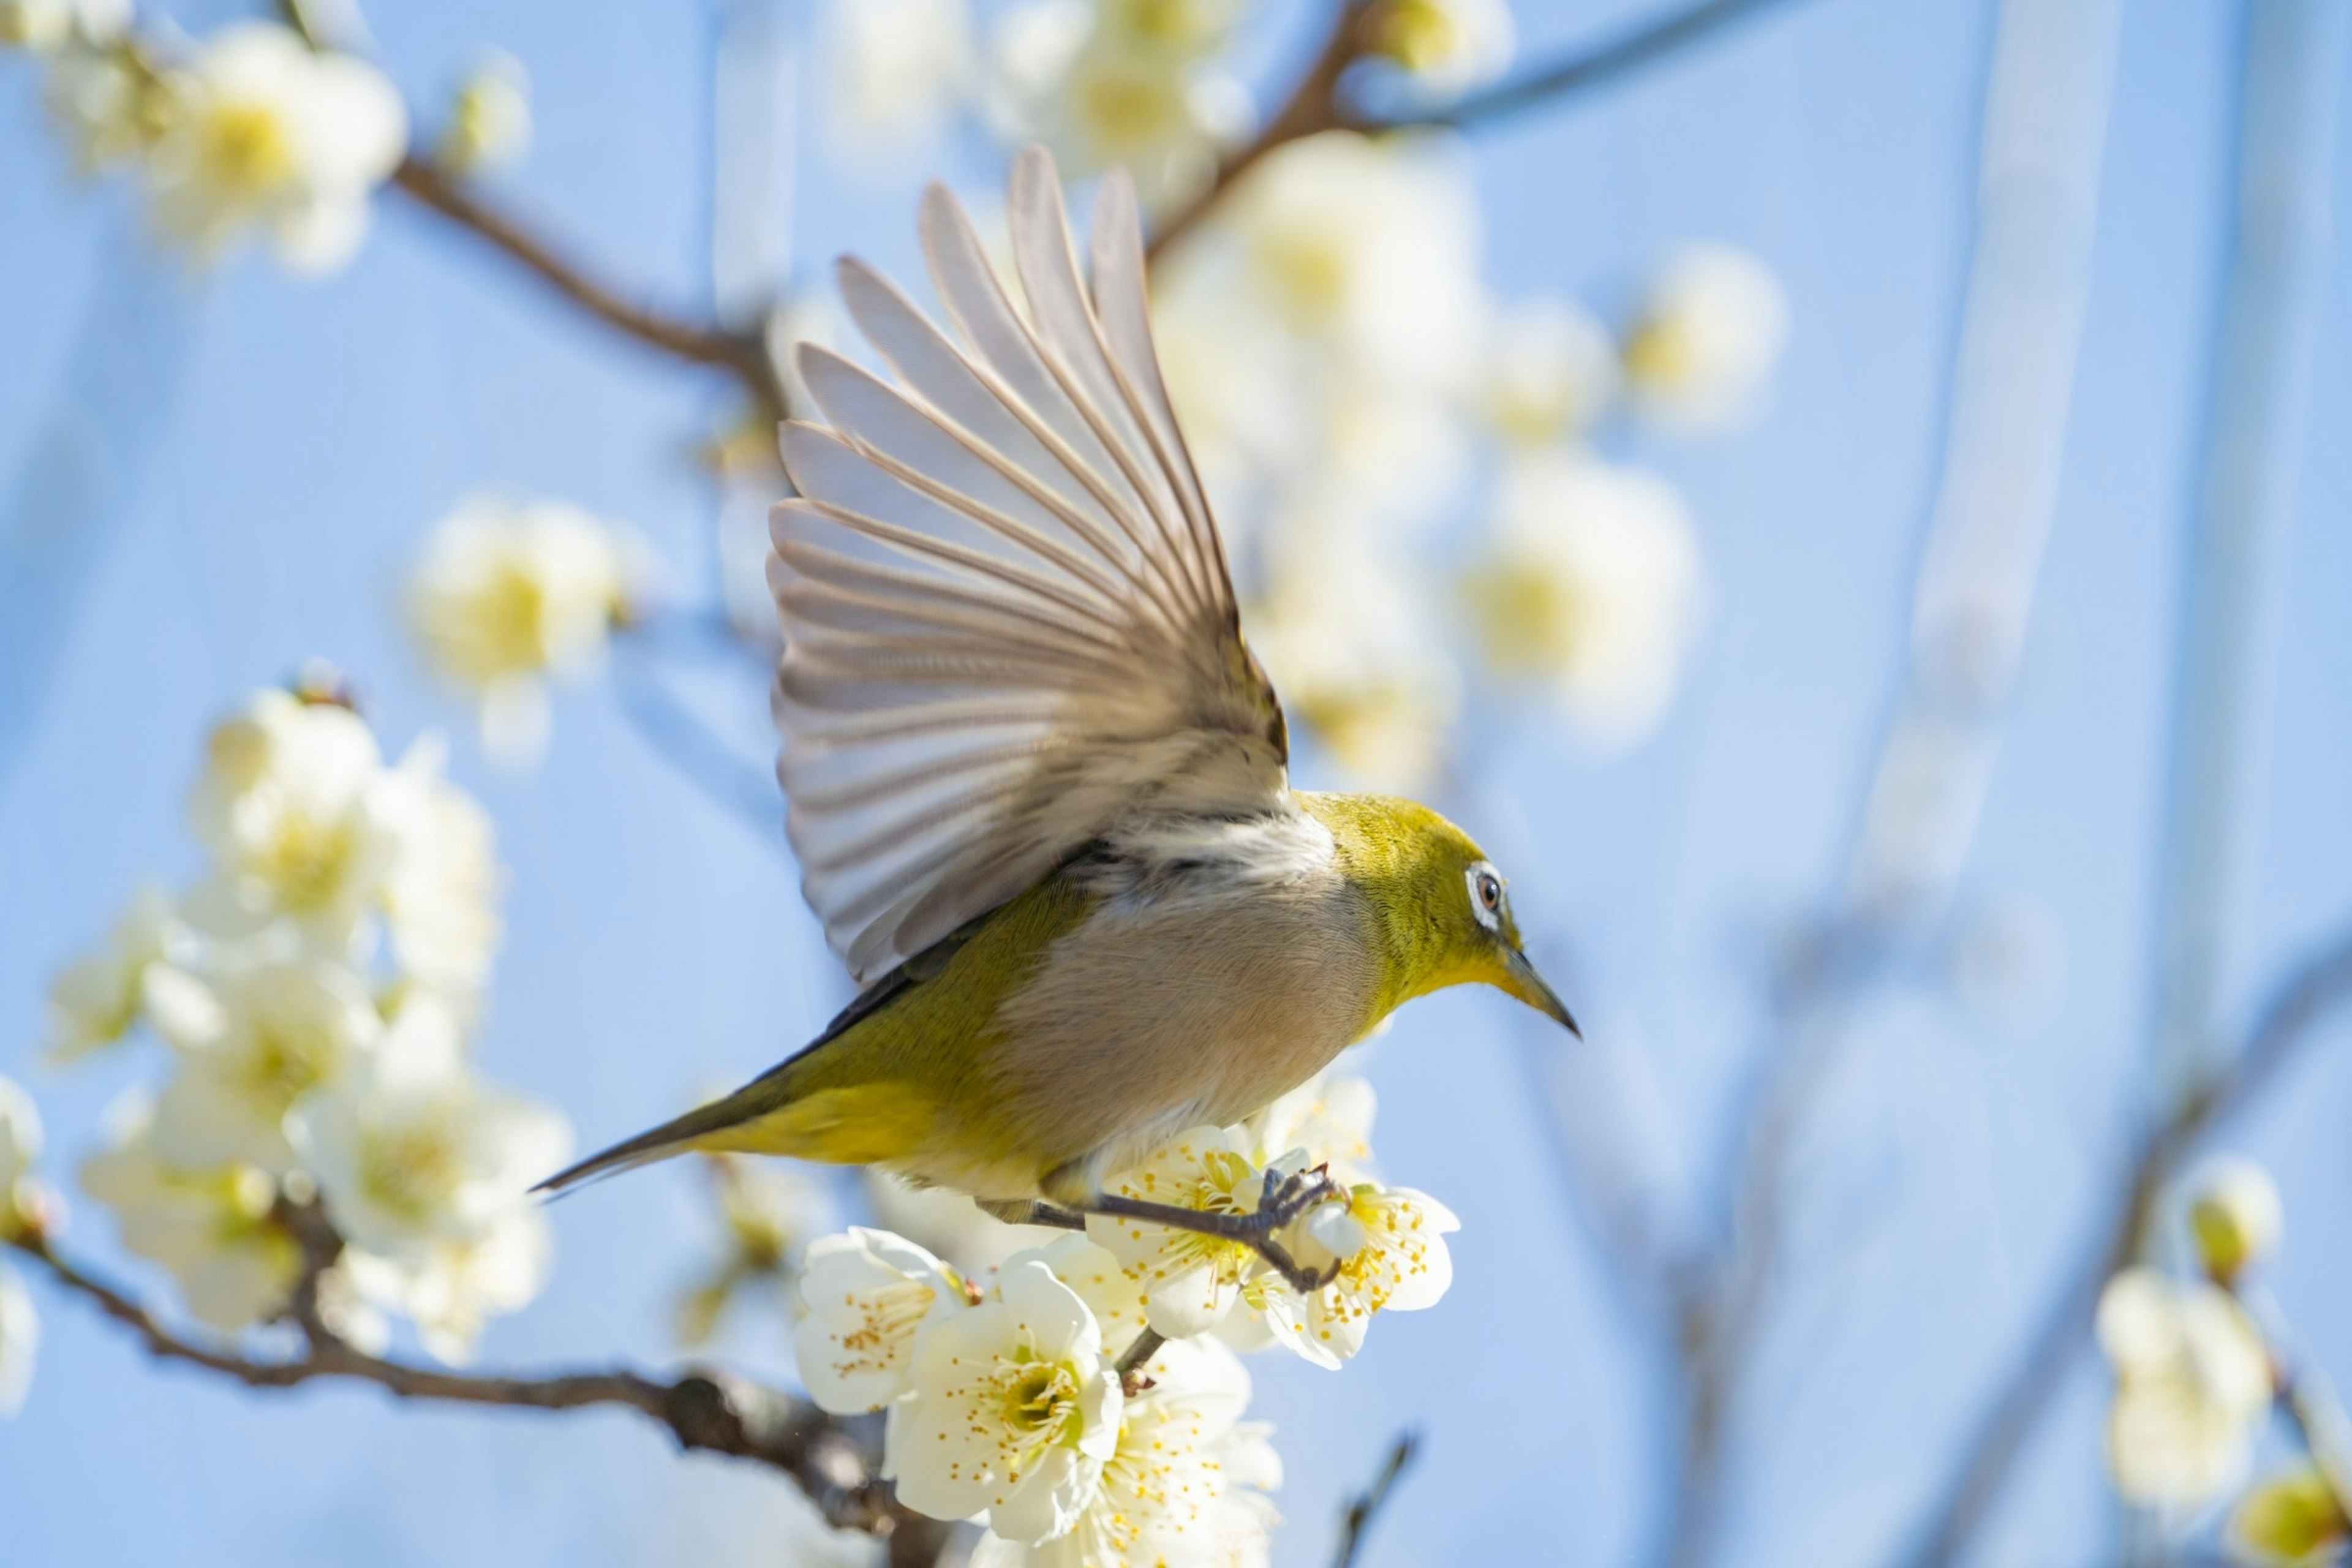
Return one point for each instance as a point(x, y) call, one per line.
point(1487, 895)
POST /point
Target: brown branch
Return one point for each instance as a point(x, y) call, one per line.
point(2322, 983)
point(1318, 102)
point(1363, 1508)
point(832, 1461)
point(741, 354)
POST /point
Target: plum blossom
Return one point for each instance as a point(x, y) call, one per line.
point(866, 1294)
point(96, 999)
point(450, 1287)
point(1550, 371)
point(2235, 1216)
point(1390, 1246)
point(2192, 1387)
point(1188, 1280)
point(488, 126)
point(1595, 586)
point(1011, 1413)
point(1183, 1484)
point(509, 595)
point(1448, 46)
point(895, 72)
point(1707, 338)
point(1328, 1117)
point(259, 132)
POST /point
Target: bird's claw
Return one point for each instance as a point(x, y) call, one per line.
point(1297, 1275)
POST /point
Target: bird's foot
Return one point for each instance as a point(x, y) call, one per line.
point(1293, 1195)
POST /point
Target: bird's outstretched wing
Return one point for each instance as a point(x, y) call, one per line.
point(1007, 616)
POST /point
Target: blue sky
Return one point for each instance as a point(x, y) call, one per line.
point(301, 437)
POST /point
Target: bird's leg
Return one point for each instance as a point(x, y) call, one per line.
point(1292, 1197)
point(1033, 1211)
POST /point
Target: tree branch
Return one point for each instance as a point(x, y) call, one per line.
point(1363, 1508)
point(742, 354)
point(832, 1461)
point(2321, 985)
point(1318, 102)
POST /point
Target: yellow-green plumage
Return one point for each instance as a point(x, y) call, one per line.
point(973, 1073)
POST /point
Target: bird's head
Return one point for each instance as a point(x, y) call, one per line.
point(1443, 911)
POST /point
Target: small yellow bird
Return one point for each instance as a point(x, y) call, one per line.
point(1038, 784)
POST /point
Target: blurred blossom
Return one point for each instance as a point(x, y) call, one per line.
point(1011, 1411)
point(1595, 586)
point(508, 594)
point(2192, 1388)
point(490, 118)
point(255, 1034)
point(867, 1294)
point(1329, 1115)
point(211, 1229)
point(2291, 1519)
point(1707, 338)
point(45, 27)
point(20, 1341)
point(2235, 1216)
point(450, 1287)
point(439, 894)
point(20, 1145)
point(768, 1208)
point(1121, 81)
point(949, 1223)
point(259, 132)
point(96, 999)
point(107, 105)
point(1550, 371)
point(412, 1150)
point(1447, 46)
point(1181, 1486)
point(896, 71)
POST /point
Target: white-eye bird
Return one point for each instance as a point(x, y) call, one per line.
point(1037, 783)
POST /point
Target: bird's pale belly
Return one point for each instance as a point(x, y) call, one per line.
point(1143, 1024)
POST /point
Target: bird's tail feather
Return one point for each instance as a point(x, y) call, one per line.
point(676, 1136)
point(850, 1124)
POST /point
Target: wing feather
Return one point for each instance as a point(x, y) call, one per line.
point(1008, 622)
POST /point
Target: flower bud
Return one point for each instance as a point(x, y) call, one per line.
point(490, 122)
point(2234, 1217)
point(2289, 1518)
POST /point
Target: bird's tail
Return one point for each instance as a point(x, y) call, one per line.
point(848, 1124)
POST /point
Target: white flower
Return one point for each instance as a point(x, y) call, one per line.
point(1448, 46)
point(412, 1151)
point(2234, 1215)
point(255, 1037)
point(1113, 1296)
point(263, 132)
point(440, 889)
point(2192, 1387)
point(1012, 1411)
point(96, 999)
point(1390, 1244)
point(949, 1223)
point(44, 26)
point(1329, 1117)
point(867, 1293)
point(210, 1228)
point(509, 594)
point(20, 1341)
point(1180, 1487)
point(895, 72)
point(289, 805)
point(1190, 1280)
point(1707, 338)
point(1551, 370)
point(20, 1145)
point(106, 109)
point(1595, 584)
point(1125, 81)
point(448, 1287)
point(489, 119)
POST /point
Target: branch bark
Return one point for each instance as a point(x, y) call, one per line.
point(2319, 986)
point(742, 354)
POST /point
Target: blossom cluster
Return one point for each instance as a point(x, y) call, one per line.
point(314, 989)
point(1085, 1397)
point(2196, 1375)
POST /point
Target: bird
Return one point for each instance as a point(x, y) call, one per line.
point(1036, 781)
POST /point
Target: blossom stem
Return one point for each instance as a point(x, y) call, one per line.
point(1129, 1365)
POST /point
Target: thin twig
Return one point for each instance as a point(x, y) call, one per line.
point(744, 354)
point(709, 1410)
point(1317, 103)
point(1363, 1508)
point(1129, 1365)
point(2321, 985)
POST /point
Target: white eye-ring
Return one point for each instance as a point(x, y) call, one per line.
point(1486, 894)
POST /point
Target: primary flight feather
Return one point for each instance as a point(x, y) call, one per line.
point(1037, 783)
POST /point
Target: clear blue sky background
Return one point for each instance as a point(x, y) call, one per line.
point(304, 436)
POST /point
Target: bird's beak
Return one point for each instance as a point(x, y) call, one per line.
point(1525, 983)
